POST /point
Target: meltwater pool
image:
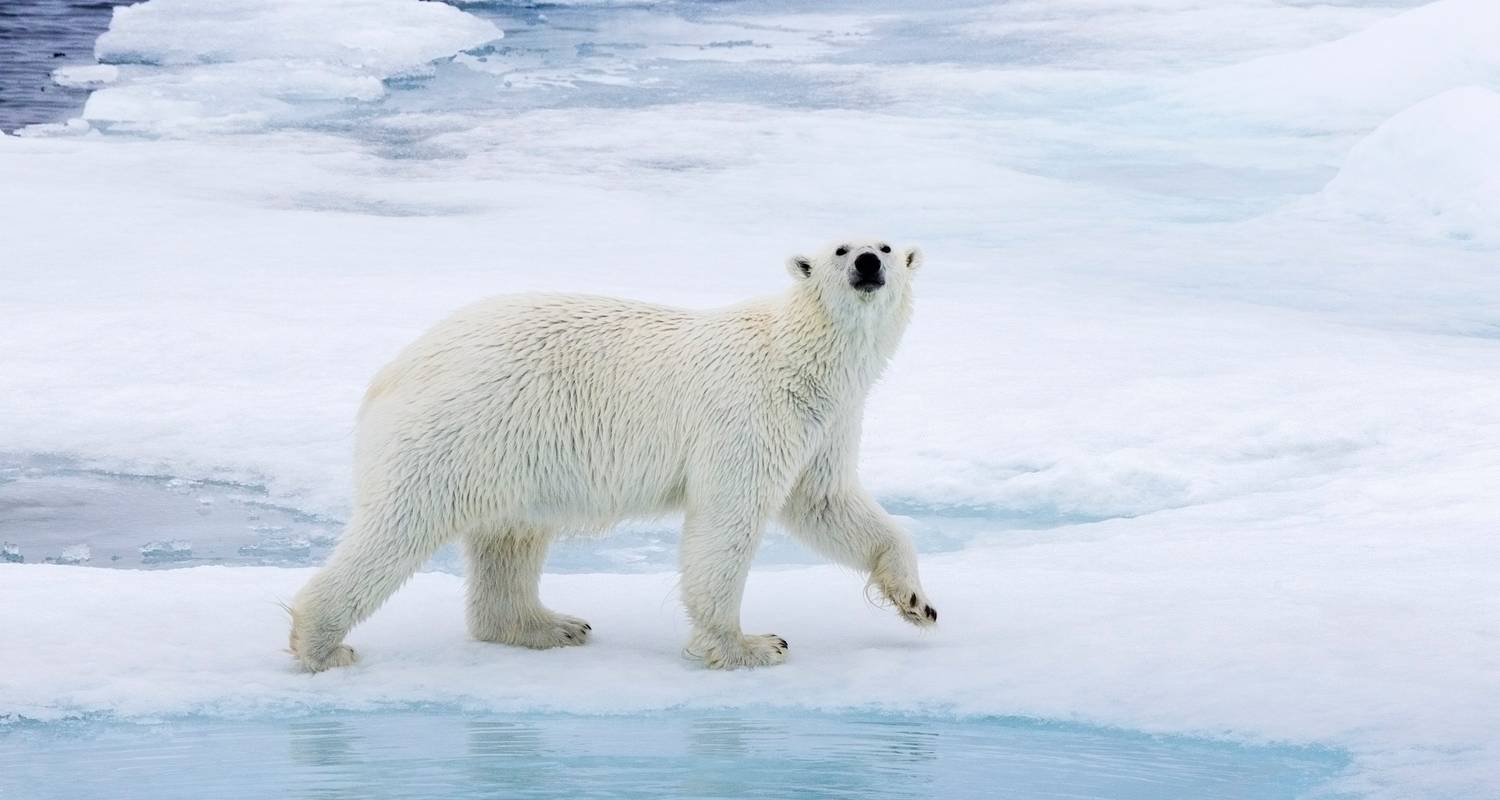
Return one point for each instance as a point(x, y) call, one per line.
point(445, 755)
point(55, 510)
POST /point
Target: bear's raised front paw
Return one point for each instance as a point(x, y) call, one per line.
point(734, 651)
point(911, 605)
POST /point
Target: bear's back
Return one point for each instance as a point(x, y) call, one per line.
point(586, 397)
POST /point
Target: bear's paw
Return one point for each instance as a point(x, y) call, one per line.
point(736, 651)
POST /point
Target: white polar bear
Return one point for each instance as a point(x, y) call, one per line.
point(521, 417)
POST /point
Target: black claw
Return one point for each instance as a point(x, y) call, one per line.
point(587, 626)
point(913, 601)
point(931, 613)
point(569, 635)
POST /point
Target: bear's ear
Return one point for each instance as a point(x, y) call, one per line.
point(913, 257)
point(799, 267)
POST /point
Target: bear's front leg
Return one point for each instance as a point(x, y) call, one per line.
point(847, 525)
point(717, 548)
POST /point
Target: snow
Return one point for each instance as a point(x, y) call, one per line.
point(1430, 168)
point(1219, 316)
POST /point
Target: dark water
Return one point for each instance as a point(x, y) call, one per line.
point(787, 756)
point(36, 37)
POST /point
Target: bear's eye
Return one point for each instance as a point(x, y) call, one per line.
point(885, 248)
point(842, 251)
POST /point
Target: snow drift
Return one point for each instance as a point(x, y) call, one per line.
point(1357, 80)
point(1431, 168)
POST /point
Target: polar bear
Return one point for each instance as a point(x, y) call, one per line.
point(524, 416)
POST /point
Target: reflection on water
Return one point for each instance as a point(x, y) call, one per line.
point(432, 754)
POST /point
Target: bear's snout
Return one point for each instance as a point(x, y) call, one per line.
point(868, 273)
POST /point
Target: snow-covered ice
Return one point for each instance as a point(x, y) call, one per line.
point(1273, 634)
point(1210, 305)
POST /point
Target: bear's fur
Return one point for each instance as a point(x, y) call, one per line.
point(521, 417)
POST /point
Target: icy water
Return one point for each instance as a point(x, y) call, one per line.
point(53, 512)
point(37, 37)
point(647, 54)
point(449, 756)
point(551, 56)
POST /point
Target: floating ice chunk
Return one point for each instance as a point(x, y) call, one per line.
point(72, 127)
point(1359, 79)
point(73, 554)
point(167, 550)
point(279, 547)
point(242, 64)
point(1434, 167)
point(85, 76)
point(241, 96)
point(11, 554)
point(381, 37)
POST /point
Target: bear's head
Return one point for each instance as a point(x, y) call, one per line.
point(858, 275)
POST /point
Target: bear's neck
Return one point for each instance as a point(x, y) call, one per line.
point(832, 360)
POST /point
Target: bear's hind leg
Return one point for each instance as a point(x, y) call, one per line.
point(376, 554)
point(504, 605)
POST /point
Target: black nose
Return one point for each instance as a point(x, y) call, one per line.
point(867, 275)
